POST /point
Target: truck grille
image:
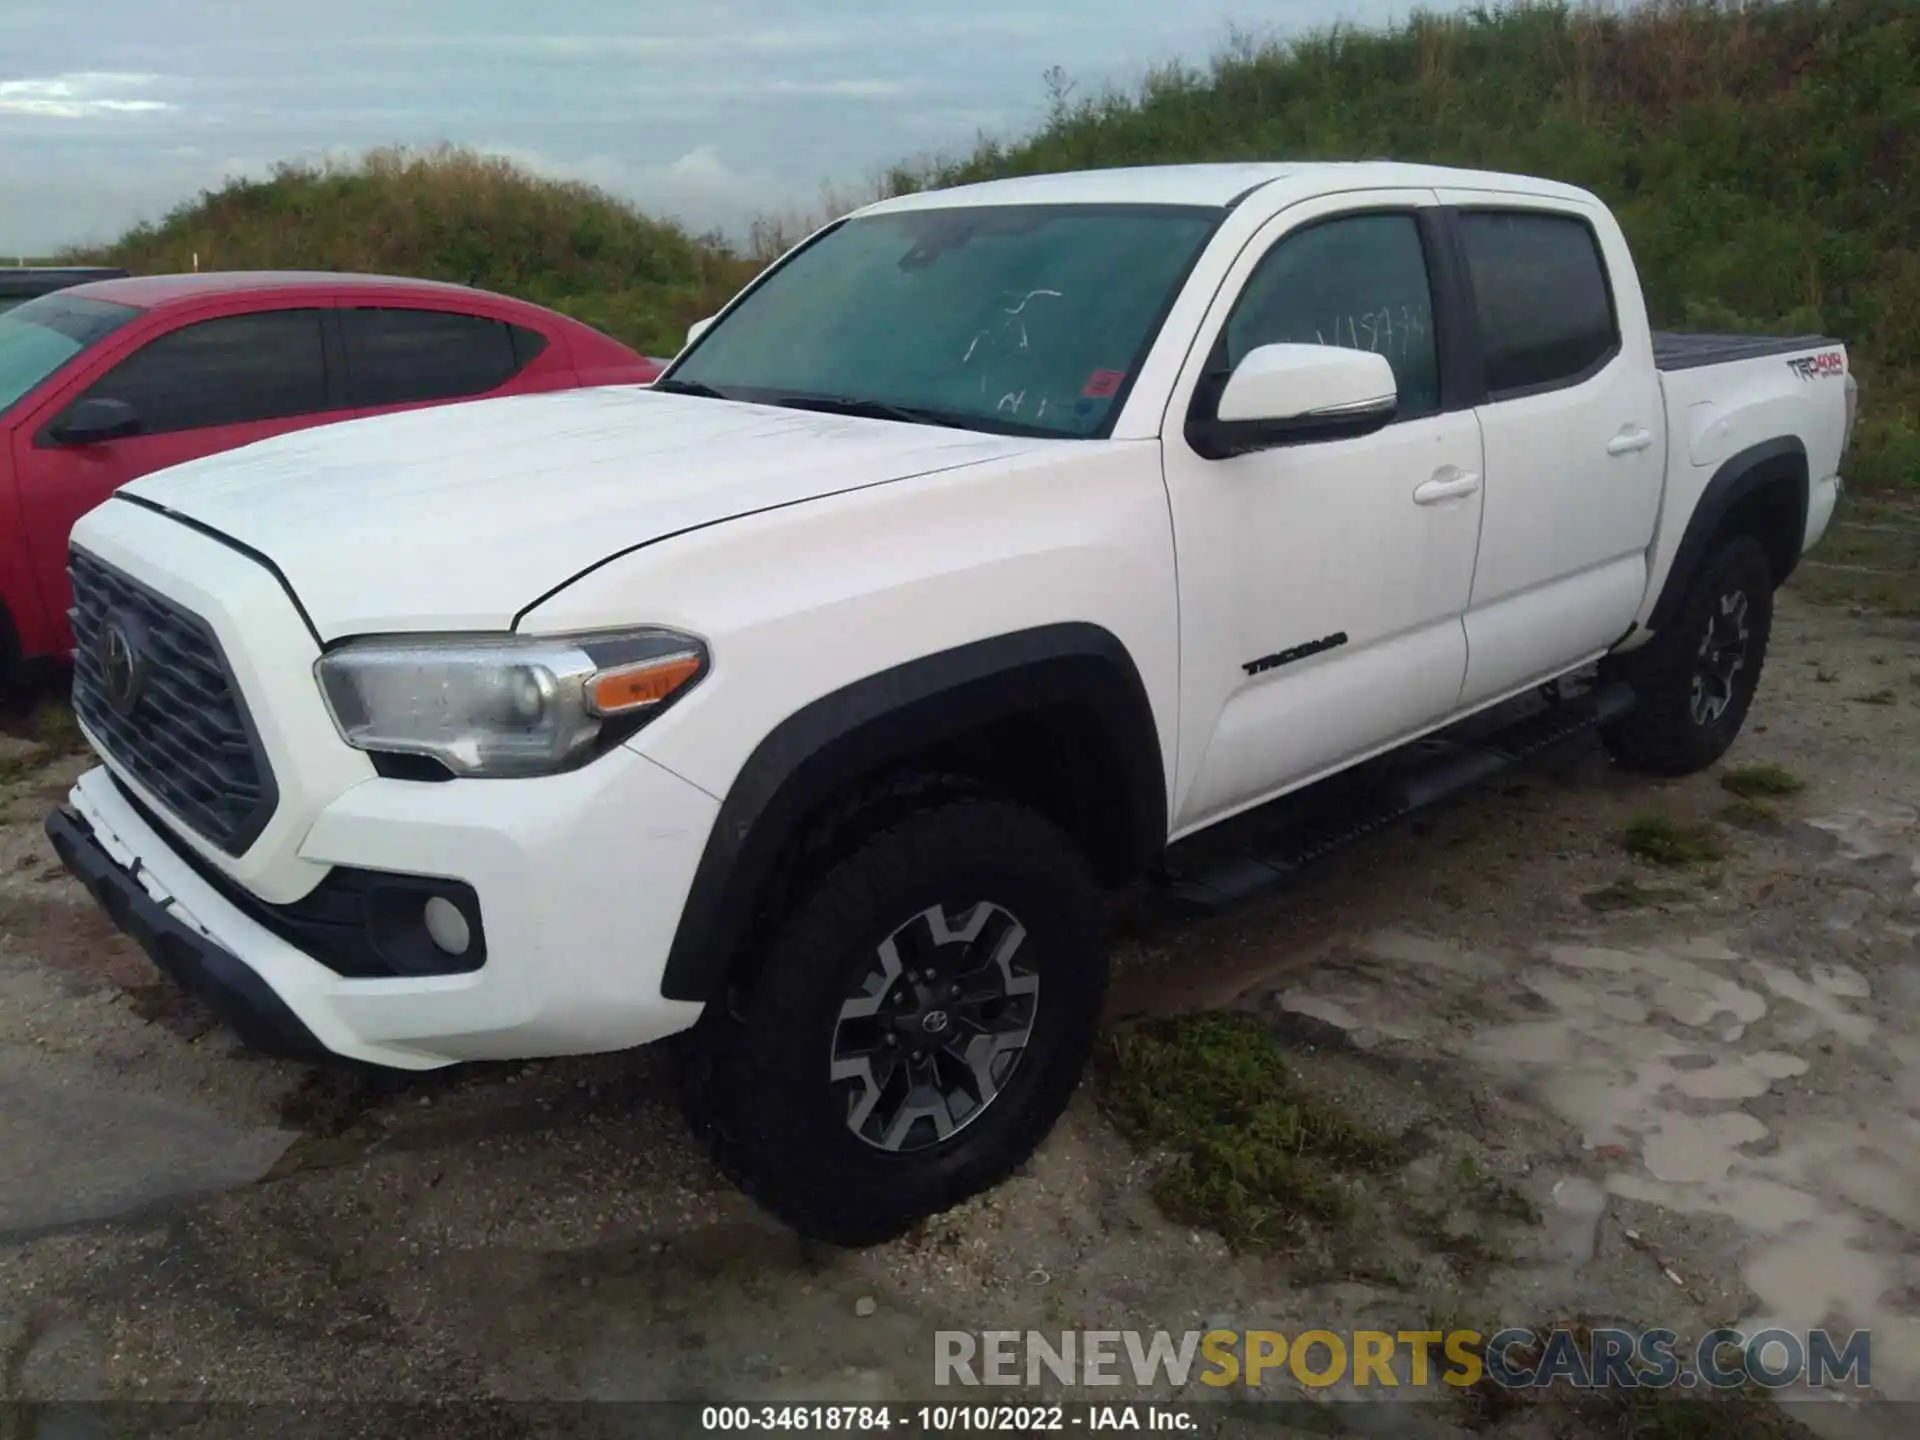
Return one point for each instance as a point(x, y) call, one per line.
point(152, 687)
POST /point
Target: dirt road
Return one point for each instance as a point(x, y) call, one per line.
point(1679, 1096)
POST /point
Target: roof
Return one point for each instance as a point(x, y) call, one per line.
point(1216, 185)
point(150, 290)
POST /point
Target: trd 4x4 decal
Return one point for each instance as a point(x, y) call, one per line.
point(1812, 367)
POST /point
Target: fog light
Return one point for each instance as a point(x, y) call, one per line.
point(446, 926)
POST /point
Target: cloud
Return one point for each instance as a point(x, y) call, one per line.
point(700, 188)
point(80, 95)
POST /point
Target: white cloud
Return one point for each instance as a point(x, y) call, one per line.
point(79, 95)
point(700, 188)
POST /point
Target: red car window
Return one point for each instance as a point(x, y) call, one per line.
point(230, 371)
point(402, 357)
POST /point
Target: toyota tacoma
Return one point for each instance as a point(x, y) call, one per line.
point(999, 546)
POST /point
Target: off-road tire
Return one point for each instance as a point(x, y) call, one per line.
point(756, 1074)
point(1674, 727)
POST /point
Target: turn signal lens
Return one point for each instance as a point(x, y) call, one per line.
point(635, 687)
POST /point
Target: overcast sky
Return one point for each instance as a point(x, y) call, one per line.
point(710, 110)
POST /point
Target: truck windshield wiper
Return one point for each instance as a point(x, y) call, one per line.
point(869, 409)
point(690, 387)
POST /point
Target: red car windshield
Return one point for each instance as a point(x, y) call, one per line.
point(37, 338)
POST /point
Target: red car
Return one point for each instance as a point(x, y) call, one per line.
point(105, 382)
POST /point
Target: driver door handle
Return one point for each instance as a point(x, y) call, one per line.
point(1448, 483)
point(1629, 440)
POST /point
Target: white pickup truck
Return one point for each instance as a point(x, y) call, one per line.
point(991, 550)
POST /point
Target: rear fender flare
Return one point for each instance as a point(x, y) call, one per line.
point(1772, 462)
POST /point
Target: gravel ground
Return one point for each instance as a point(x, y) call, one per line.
point(1698, 1093)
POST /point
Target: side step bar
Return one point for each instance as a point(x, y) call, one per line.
point(1266, 848)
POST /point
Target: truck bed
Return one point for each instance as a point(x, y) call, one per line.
point(1689, 349)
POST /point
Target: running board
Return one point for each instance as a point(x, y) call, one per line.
point(1264, 849)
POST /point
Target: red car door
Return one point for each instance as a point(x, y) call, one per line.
point(206, 384)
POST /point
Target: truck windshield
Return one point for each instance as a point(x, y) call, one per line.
point(37, 338)
point(1019, 319)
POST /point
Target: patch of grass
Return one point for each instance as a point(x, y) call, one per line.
point(1751, 782)
point(1642, 1412)
point(1626, 893)
point(1745, 1413)
point(1662, 840)
point(1875, 697)
point(1750, 815)
point(1250, 1155)
point(1463, 1215)
point(1494, 1195)
point(53, 725)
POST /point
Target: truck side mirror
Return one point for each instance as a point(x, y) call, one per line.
point(698, 328)
point(94, 421)
point(1278, 394)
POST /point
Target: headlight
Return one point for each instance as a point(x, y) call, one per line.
point(506, 705)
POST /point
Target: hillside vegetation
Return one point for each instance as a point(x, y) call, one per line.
point(451, 214)
point(1765, 161)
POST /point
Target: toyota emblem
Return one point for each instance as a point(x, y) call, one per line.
point(119, 652)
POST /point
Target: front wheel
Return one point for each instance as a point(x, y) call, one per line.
point(1695, 680)
point(918, 1025)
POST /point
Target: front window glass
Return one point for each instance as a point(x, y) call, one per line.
point(234, 370)
point(1359, 282)
point(1024, 319)
point(38, 337)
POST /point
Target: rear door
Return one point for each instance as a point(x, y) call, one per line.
point(201, 386)
point(396, 357)
point(1575, 435)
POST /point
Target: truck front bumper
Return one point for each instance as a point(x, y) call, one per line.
point(190, 957)
point(580, 879)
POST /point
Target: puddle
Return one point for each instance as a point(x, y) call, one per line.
point(1707, 1078)
point(80, 1150)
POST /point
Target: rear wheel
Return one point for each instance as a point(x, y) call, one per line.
point(1694, 681)
point(916, 1029)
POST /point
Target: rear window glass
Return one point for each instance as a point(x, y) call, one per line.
point(1545, 307)
point(398, 357)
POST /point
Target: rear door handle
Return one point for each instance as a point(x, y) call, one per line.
point(1629, 440)
point(1447, 484)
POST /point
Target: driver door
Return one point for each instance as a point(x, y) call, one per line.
point(1323, 583)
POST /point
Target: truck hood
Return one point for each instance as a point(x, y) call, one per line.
point(459, 517)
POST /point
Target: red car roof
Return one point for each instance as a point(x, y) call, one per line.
point(147, 291)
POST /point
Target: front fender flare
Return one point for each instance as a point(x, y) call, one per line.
point(881, 720)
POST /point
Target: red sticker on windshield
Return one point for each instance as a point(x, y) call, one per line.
point(1103, 383)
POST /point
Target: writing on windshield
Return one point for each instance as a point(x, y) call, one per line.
point(1019, 318)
